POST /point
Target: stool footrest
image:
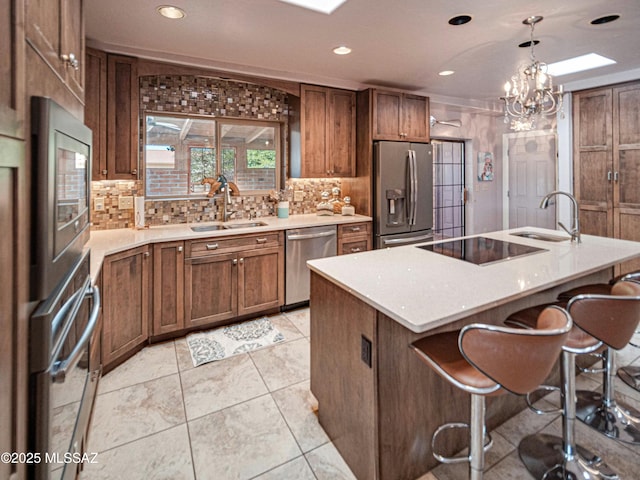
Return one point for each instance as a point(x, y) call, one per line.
point(600, 356)
point(459, 459)
point(548, 388)
point(631, 376)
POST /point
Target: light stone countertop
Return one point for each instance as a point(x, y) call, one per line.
point(106, 242)
point(423, 290)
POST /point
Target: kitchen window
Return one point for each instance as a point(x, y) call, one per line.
point(180, 151)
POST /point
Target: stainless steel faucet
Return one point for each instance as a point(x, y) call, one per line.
point(224, 186)
point(575, 226)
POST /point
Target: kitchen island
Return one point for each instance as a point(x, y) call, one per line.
point(377, 401)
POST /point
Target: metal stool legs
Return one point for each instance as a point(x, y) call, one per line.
point(549, 457)
point(603, 413)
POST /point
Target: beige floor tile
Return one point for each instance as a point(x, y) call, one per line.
point(241, 442)
point(298, 412)
point(163, 456)
point(297, 469)
point(221, 384)
point(286, 327)
point(284, 364)
point(151, 362)
point(134, 412)
point(182, 354)
point(327, 464)
point(300, 318)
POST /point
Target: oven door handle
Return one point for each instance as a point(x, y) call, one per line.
point(60, 369)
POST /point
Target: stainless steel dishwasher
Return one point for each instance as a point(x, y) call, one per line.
point(304, 244)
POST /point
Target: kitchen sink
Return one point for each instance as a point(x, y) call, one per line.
point(245, 225)
point(540, 236)
point(207, 228)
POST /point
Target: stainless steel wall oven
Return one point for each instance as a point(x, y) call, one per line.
point(64, 328)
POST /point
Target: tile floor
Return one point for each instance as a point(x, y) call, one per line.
point(250, 417)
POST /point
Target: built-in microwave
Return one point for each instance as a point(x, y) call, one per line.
point(61, 156)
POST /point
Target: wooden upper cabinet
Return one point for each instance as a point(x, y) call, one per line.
point(400, 116)
point(122, 118)
point(95, 109)
point(328, 132)
point(55, 30)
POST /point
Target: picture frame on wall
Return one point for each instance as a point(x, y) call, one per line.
point(485, 167)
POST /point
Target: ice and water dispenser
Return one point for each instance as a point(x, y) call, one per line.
point(396, 207)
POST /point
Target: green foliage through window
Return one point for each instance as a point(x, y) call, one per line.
point(261, 159)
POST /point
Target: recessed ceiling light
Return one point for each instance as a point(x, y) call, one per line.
point(459, 20)
point(578, 64)
point(446, 73)
point(323, 6)
point(605, 19)
point(342, 50)
point(527, 44)
point(170, 11)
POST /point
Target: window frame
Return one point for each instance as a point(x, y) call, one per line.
point(278, 139)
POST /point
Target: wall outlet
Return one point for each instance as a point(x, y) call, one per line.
point(298, 195)
point(98, 204)
point(125, 202)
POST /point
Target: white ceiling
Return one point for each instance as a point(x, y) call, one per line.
point(396, 43)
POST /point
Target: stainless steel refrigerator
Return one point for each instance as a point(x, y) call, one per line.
point(403, 193)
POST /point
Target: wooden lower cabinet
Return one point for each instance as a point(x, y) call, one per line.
point(354, 238)
point(126, 302)
point(260, 280)
point(168, 287)
point(211, 289)
point(247, 276)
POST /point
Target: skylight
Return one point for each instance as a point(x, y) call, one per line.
point(578, 64)
point(323, 6)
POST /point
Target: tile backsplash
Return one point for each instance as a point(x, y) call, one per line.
point(202, 209)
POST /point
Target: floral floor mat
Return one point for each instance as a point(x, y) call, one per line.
point(225, 342)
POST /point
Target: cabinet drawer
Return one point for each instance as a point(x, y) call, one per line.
point(355, 246)
point(354, 229)
point(212, 246)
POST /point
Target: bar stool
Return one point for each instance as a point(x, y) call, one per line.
point(492, 360)
point(601, 411)
point(547, 456)
point(629, 374)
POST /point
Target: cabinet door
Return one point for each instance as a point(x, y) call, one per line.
point(387, 115)
point(415, 118)
point(95, 109)
point(122, 118)
point(211, 289)
point(313, 129)
point(593, 163)
point(168, 287)
point(55, 30)
point(626, 166)
point(12, 100)
point(260, 280)
point(342, 133)
point(126, 282)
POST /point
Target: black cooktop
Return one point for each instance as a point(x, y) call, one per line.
point(481, 250)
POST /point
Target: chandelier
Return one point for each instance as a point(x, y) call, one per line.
point(530, 93)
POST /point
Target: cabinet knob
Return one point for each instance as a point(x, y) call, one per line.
point(609, 175)
point(235, 261)
point(261, 240)
point(615, 176)
point(355, 250)
point(71, 60)
point(104, 172)
point(355, 229)
point(241, 260)
point(212, 246)
point(146, 254)
point(134, 172)
point(180, 249)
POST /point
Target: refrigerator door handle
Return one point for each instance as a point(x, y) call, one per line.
point(409, 240)
point(413, 181)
